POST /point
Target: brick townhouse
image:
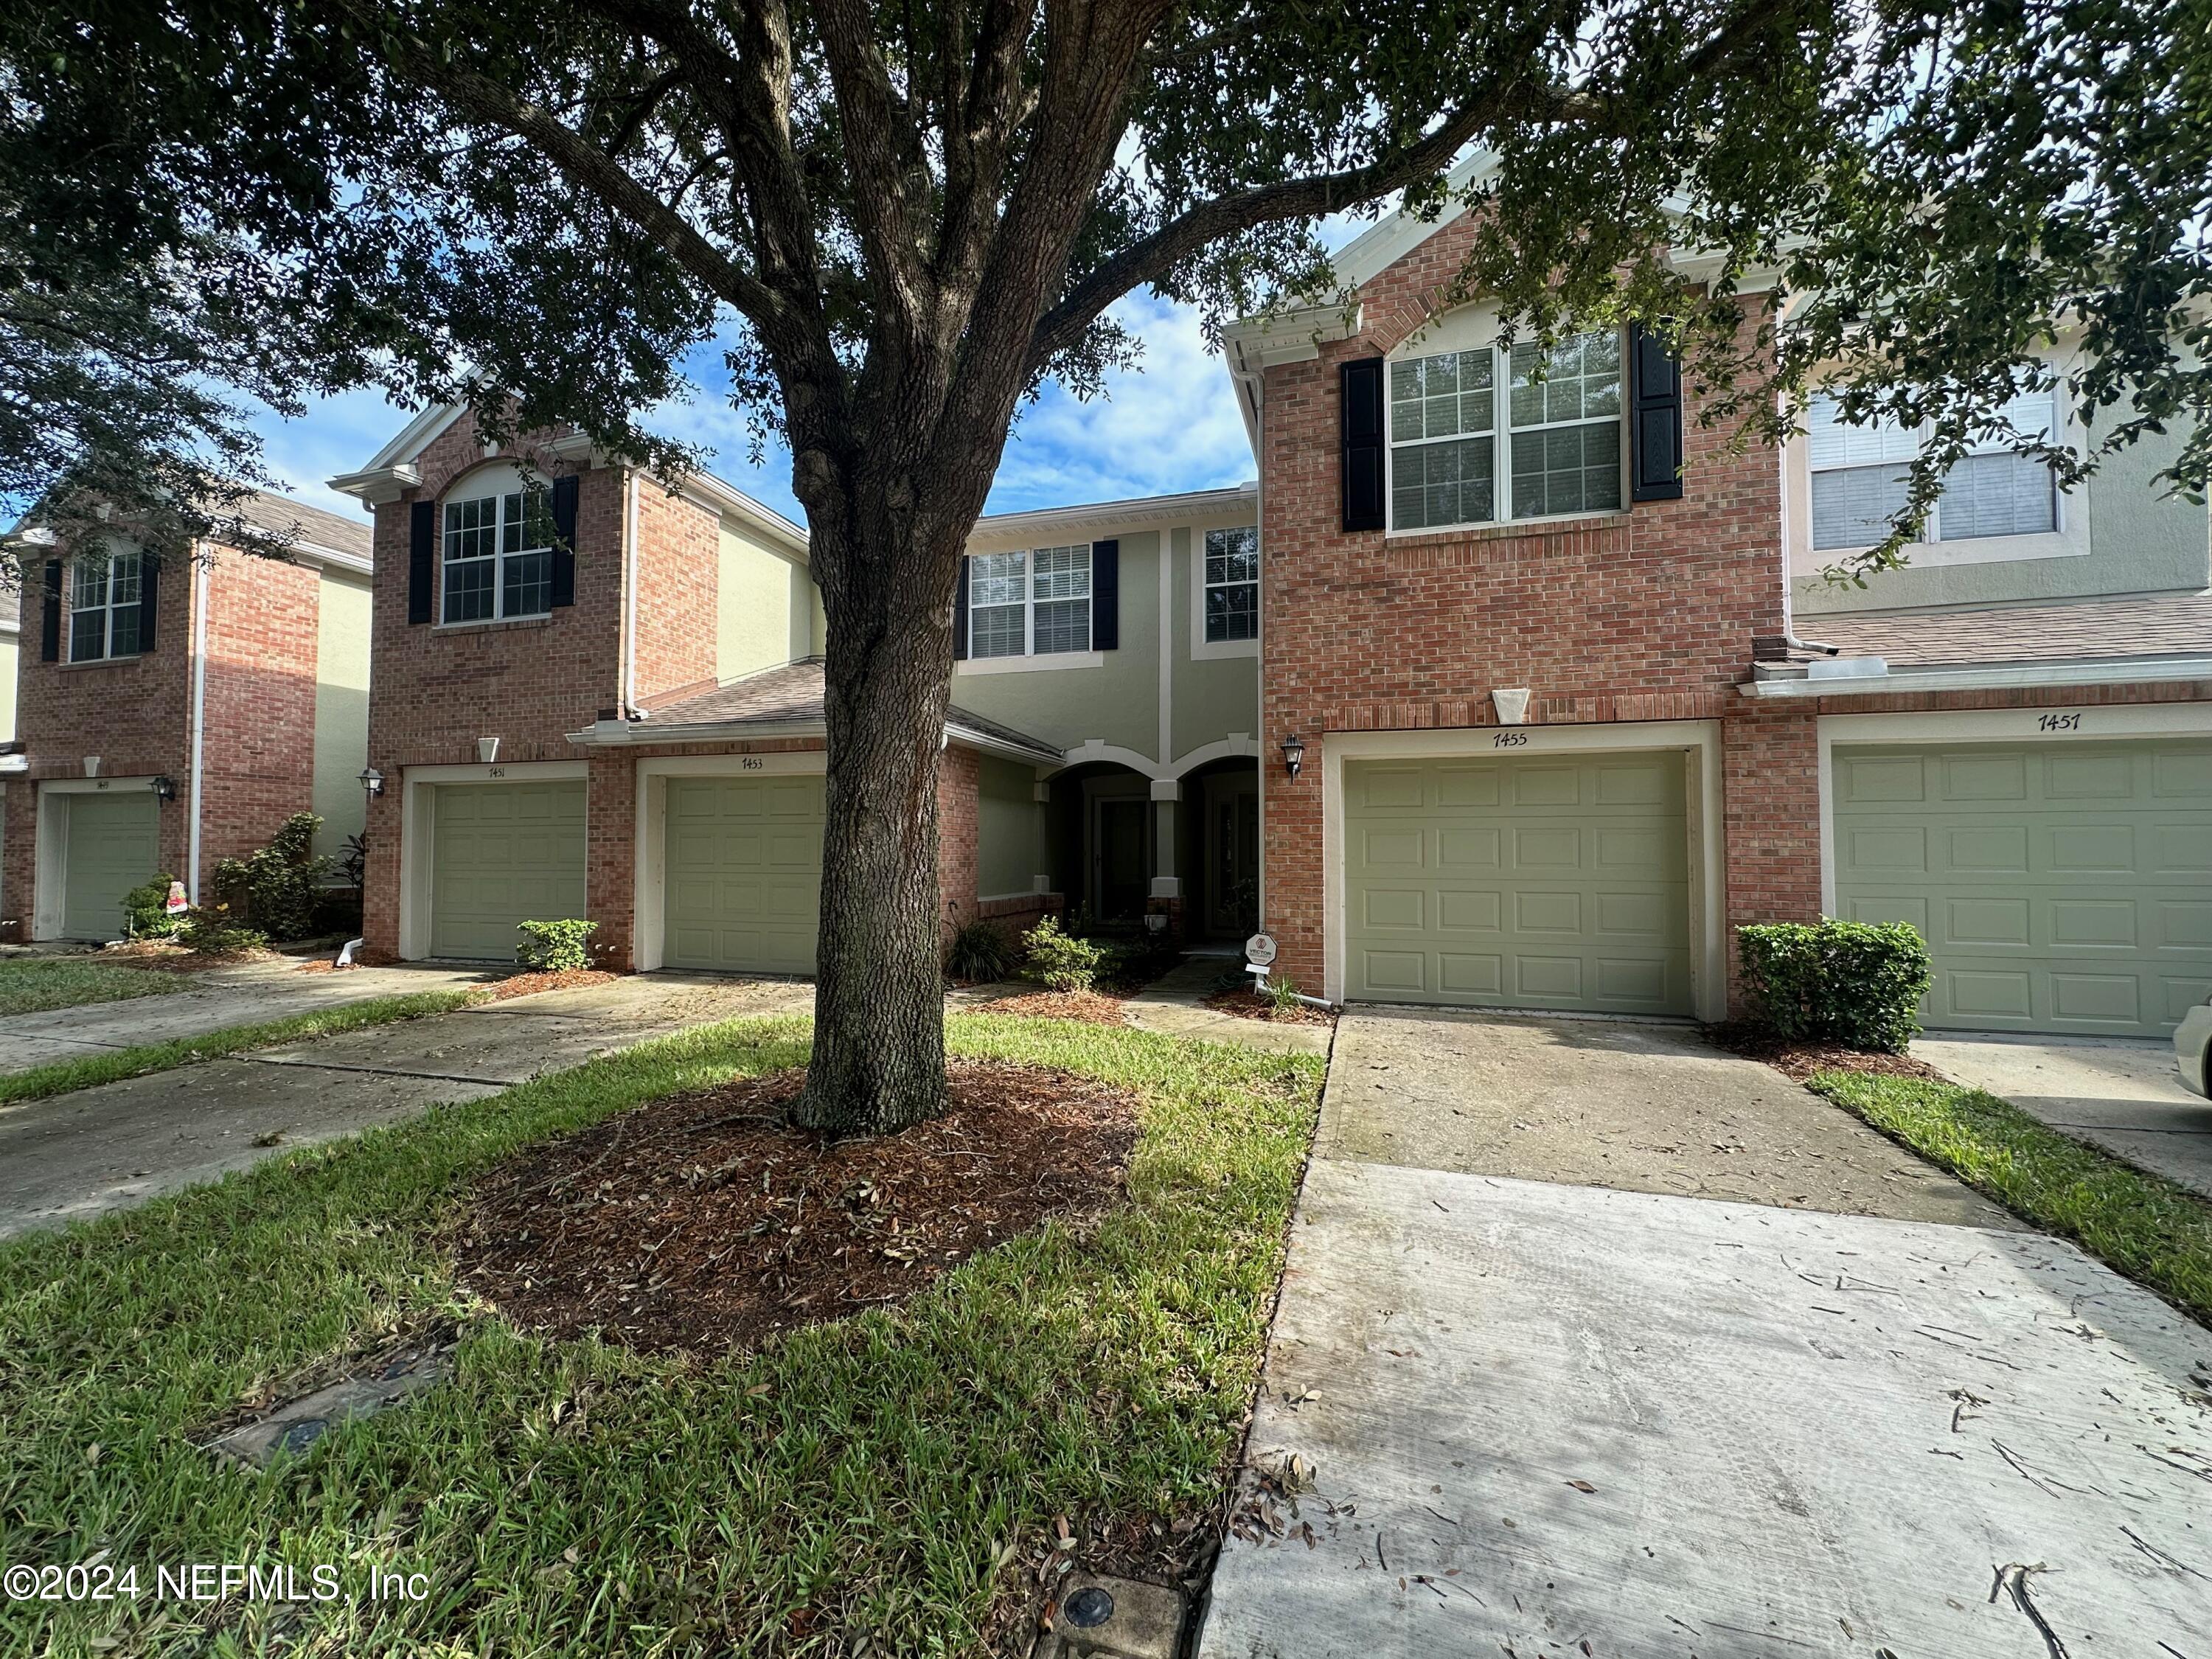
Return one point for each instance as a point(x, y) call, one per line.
point(597, 698)
point(172, 713)
point(1536, 731)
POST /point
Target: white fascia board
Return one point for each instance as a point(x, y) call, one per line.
point(414, 437)
point(377, 485)
point(724, 498)
point(1396, 234)
point(608, 734)
point(1106, 515)
point(2125, 671)
point(991, 744)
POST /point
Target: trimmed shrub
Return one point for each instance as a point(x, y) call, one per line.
point(1061, 963)
point(554, 947)
point(1855, 983)
point(979, 953)
point(274, 890)
point(146, 910)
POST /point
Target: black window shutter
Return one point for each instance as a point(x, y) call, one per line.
point(960, 612)
point(1106, 596)
point(149, 599)
point(50, 620)
point(1656, 399)
point(1360, 382)
point(564, 539)
point(422, 551)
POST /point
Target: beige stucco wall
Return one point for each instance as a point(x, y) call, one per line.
point(1009, 830)
point(341, 637)
point(766, 611)
point(2119, 533)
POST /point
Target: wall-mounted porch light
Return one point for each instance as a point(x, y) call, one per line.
point(1294, 754)
point(372, 781)
point(165, 787)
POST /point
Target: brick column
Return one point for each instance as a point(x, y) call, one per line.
point(1771, 808)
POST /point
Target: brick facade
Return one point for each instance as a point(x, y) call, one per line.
point(435, 689)
point(134, 713)
point(1644, 615)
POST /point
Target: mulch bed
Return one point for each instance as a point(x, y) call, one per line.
point(175, 959)
point(708, 1222)
point(1798, 1062)
point(1094, 1006)
point(565, 979)
point(1247, 1003)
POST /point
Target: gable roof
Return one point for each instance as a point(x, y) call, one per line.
point(314, 529)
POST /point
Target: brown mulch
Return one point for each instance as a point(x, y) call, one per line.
point(1096, 1006)
point(1246, 1004)
point(1798, 1062)
point(564, 979)
point(175, 959)
point(708, 1222)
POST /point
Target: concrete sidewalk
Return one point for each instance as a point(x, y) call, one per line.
point(1174, 1006)
point(2123, 1096)
point(215, 999)
point(1598, 1341)
point(79, 1155)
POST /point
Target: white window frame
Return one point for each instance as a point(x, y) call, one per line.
point(113, 566)
point(1029, 602)
point(1931, 532)
point(1228, 645)
point(1501, 435)
point(511, 507)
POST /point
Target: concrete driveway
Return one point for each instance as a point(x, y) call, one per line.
point(79, 1155)
point(1599, 1342)
point(2123, 1096)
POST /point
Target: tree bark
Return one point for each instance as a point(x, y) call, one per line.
point(878, 1059)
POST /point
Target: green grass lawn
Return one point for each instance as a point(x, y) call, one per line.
point(2146, 1226)
point(869, 1476)
point(31, 985)
point(65, 1076)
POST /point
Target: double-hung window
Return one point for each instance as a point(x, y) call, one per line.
point(499, 557)
point(1232, 584)
point(1555, 444)
point(1859, 477)
point(1029, 604)
point(104, 590)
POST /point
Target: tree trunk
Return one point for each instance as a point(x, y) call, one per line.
point(878, 1062)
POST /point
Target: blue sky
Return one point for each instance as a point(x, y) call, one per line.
point(1170, 424)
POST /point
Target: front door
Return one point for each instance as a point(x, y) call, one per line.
point(1120, 878)
point(1232, 856)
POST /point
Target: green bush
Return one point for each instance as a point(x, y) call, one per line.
point(213, 931)
point(979, 953)
point(1855, 983)
point(554, 947)
point(1061, 963)
point(274, 890)
point(146, 910)
point(1283, 993)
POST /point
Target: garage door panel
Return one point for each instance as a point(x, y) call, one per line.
point(1394, 849)
point(503, 854)
point(743, 878)
point(1881, 779)
point(2079, 906)
point(1588, 909)
point(114, 844)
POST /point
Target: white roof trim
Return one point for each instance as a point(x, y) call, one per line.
point(603, 734)
point(414, 437)
point(2116, 671)
point(1144, 509)
point(1374, 250)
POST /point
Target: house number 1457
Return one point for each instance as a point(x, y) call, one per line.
point(2061, 722)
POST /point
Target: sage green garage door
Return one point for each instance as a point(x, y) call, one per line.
point(744, 873)
point(503, 854)
point(2062, 887)
point(1538, 883)
point(114, 845)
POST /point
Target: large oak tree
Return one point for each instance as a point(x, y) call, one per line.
point(907, 217)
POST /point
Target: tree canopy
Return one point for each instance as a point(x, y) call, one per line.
point(902, 218)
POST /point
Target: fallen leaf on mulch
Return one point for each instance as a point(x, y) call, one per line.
point(1249, 1005)
point(1093, 1006)
point(566, 979)
point(1798, 1062)
point(708, 1221)
point(175, 959)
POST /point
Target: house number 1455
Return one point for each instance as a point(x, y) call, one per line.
point(1509, 740)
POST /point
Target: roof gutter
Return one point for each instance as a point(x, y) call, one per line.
point(613, 734)
point(1996, 677)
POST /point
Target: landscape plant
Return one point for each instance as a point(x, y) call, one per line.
point(1060, 961)
point(146, 910)
point(881, 228)
point(274, 890)
point(1855, 983)
point(979, 953)
point(555, 947)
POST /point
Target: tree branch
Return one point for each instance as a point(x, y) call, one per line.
point(880, 143)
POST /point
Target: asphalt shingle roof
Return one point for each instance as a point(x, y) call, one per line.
point(2084, 629)
point(794, 692)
